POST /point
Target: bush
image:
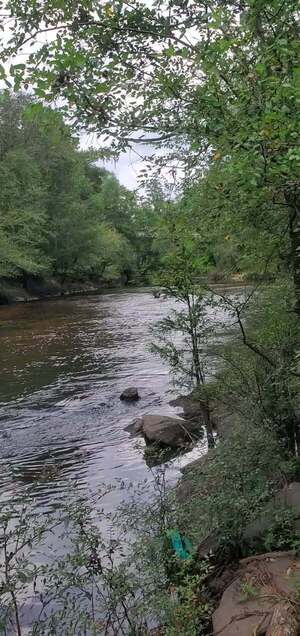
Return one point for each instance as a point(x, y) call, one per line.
point(115, 582)
point(258, 378)
point(232, 488)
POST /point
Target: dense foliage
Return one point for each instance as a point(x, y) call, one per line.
point(214, 85)
point(99, 584)
point(60, 214)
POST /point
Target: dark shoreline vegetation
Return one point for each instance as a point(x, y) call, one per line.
point(214, 87)
point(14, 291)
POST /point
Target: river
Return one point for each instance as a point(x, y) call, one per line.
point(64, 364)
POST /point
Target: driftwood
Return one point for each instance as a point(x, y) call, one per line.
point(283, 621)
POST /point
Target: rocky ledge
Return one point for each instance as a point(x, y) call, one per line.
point(36, 288)
point(261, 597)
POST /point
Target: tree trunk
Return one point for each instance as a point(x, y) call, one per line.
point(208, 426)
point(283, 621)
point(292, 198)
point(24, 279)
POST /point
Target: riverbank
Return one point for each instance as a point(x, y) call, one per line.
point(244, 525)
point(32, 289)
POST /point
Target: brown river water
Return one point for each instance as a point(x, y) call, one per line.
point(64, 364)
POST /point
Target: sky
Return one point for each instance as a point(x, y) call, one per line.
point(127, 167)
point(129, 163)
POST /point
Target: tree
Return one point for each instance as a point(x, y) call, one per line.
point(223, 214)
point(213, 82)
point(257, 376)
point(22, 199)
point(183, 336)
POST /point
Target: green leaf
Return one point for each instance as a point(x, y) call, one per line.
point(260, 68)
point(169, 52)
point(185, 52)
point(102, 88)
point(33, 109)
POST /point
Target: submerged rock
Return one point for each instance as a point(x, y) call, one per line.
point(156, 454)
point(130, 395)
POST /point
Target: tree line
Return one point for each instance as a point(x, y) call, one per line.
point(62, 215)
point(214, 86)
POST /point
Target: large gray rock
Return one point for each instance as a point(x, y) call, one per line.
point(135, 428)
point(130, 395)
point(289, 496)
point(169, 431)
point(222, 417)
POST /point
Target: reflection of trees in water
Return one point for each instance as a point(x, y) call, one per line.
point(47, 342)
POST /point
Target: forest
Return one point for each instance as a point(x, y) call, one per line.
point(213, 87)
point(61, 215)
point(64, 217)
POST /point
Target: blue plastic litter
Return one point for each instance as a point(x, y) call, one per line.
point(181, 545)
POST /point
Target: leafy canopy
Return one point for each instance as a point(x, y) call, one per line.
point(60, 214)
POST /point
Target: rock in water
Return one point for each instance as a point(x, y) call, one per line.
point(130, 395)
point(135, 428)
point(169, 431)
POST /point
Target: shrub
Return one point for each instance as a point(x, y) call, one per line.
point(258, 377)
point(114, 581)
point(231, 489)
